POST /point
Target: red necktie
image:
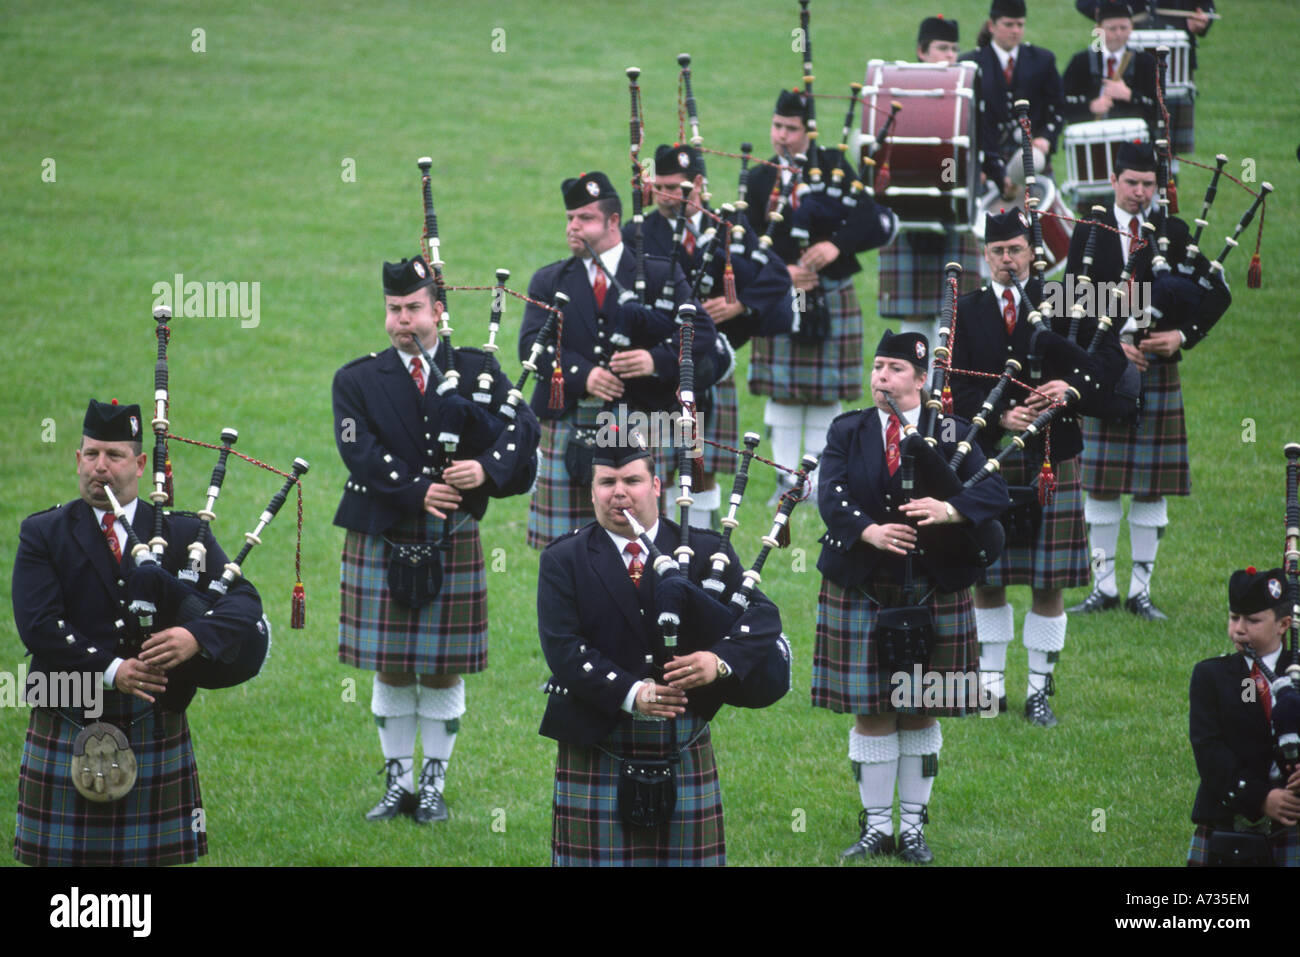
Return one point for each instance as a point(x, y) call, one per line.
point(892, 456)
point(689, 242)
point(417, 374)
point(1009, 311)
point(111, 535)
point(1110, 68)
point(635, 567)
point(598, 287)
point(1010, 69)
point(1262, 691)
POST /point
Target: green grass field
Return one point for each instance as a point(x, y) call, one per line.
point(233, 164)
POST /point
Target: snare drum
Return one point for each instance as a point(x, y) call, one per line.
point(1178, 65)
point(1056, 231)
point(1090, 150)
point(934, 161)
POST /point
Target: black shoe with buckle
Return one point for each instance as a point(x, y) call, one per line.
point(872, 843)
point(396, 800)
point(431, 806)
point(1037, 710)
point(1140, 605)
point(1095, 602)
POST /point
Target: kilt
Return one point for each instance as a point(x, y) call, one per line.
point(448, 636)
point(846, 675)
point(1059, 559)
point(1149, 458)
point(1182, 118)
point(153, 825)
point(586, 827)
point(911, 272)
point(722, 424)
point(788, 371)
point(1285, 844)
point(559, 505)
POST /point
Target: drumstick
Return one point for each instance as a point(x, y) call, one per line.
point(1186, 14)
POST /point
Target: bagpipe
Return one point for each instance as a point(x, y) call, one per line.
point(696, 615)
point(159, 599)
point(478, 402)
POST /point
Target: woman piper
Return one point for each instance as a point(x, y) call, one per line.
point(896, 643)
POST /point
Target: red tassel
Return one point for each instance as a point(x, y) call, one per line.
point(170, 488)
point(557, 390)
point(947, 400)
point(1172, 193)
point(729, 286)
point(1255, 274)
point(882, 178)
point(1046, 483)
point(298, 614)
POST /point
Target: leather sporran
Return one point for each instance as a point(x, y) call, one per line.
point(578, 455)
point(1025, 516)
point(647, 791)
point(903, 638)
point(414, 573)
point(1239, 849)
point(104, 767)
point(814, 318)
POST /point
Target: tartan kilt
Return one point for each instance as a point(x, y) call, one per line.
point(153, 825)
point(1284, 842)
point(586, 827)
point(911, 272)
point(1149, 458)
point(783, 369)
point(722, 424)
point(559, 505)
point(1059, 559)
point(847, 676)
point(448, 636)
point(1182, 119)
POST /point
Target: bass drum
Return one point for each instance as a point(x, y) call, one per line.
point(1057, 227)
point(933, 156)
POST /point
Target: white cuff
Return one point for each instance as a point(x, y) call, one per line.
point(629, 702)
point(110, 673)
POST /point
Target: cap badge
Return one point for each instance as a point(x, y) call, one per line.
point(593, 187)
point(683, 160)
point(920, 350)
point(419, 268)
point(135, 425)
point(1275, 588)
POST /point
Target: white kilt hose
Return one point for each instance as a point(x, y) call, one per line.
point(157, 823)
point(789, 371)
point(446, 636)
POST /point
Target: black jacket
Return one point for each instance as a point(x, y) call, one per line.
point(1083, 81)
point(585, 340)
point(1231, 740)
point(70, 596)
point(855, 490)
point(1034, 79)
point(597, 630)
point(387, 434)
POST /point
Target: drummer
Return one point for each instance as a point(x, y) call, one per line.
point(912, 287)
point(1011, 70)
point(1113, 81)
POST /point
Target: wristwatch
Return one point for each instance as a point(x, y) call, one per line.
point(952, 512)
point(724, 669)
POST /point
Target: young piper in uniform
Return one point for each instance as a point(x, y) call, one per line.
point(805, 381)
point(873, 528)
point(1246, 811)
point(70, 597)
point(620, 695)
point(401, 490)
